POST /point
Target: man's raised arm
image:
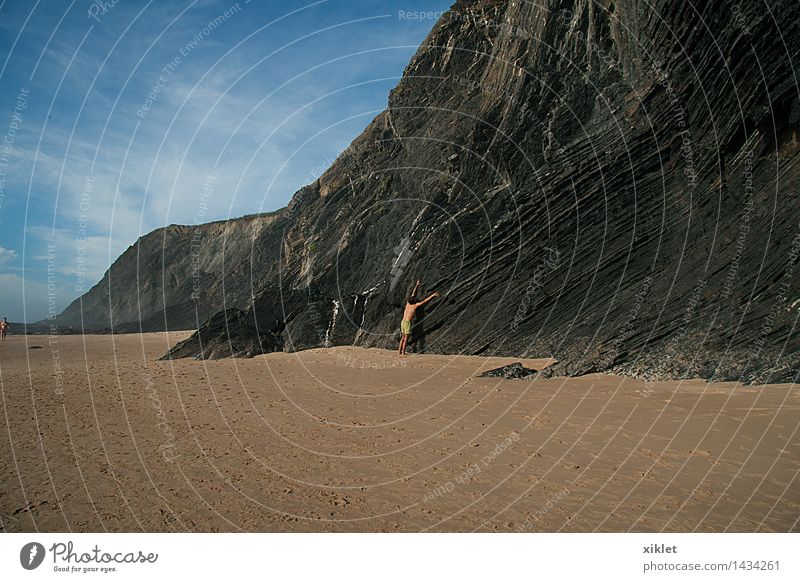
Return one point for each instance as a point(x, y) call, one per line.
point(428, 298)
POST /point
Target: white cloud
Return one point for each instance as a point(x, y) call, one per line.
point(7, 255)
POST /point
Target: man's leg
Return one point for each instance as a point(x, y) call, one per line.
point(403, 344)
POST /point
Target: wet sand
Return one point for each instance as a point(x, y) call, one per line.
point(99, 435)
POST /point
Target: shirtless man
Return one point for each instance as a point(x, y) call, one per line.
point(4, 328)
point(408, 315)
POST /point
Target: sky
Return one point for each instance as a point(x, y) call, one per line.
point(118, 117)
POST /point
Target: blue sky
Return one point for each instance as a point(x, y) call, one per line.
point(117, 118)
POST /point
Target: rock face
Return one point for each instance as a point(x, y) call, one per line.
point(178, 276)
point(612, 184)
point(514, 371)
point(229, 333)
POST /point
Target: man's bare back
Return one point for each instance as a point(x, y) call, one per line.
point(411, 308)
point(409, 311)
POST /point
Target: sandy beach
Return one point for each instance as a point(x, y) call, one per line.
point(101, 436)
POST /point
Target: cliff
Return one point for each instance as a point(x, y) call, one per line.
point(176, 277)
point(614, 184)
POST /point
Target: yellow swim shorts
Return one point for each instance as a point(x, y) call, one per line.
point(405, 326)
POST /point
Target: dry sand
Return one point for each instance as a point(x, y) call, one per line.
point(101, 436)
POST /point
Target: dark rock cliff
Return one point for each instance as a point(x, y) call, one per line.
point(614, 184)
point(178, 276)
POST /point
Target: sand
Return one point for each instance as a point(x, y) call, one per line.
point(100, 436)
